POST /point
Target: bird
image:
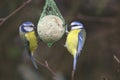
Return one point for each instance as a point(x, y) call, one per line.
point(75, 40)
point(28, 35)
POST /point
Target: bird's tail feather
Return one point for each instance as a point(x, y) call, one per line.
point(33, 61)
point(75, 62)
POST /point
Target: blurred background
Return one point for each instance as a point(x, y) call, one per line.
point(100, 54)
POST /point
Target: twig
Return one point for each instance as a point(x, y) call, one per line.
point(2, 20)
point(47, 67)
point(73, 74)
point(115, 57)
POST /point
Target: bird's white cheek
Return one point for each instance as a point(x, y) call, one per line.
point(28, 28)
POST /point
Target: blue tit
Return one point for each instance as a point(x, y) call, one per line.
point(27, 34)
point(75, 40)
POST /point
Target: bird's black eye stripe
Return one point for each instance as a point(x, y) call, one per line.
point(73, 25)
point(31, 26)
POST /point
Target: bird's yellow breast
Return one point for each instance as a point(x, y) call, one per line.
point(31, 37)
point(72, 41)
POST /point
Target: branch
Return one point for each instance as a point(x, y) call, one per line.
point(47, 67)
point(2, 20)
point(73, 74)
point(115, 57)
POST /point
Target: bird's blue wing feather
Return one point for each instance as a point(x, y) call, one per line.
point(80, 42)
point(27, 45)
point(79, 48)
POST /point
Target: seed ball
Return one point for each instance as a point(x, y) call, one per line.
point(50, 28)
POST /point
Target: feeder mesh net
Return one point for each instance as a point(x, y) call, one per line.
point(50, 8)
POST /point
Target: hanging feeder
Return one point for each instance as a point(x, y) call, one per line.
point(51, 25)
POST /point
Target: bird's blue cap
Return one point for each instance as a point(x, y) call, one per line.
point(26, 24)
point(76, 25)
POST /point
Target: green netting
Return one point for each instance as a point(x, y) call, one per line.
point(53, 29)
point(50, 8)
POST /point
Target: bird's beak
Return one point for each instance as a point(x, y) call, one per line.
point(34, 27)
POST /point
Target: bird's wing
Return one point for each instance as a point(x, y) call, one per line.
point(27, 45)
point(81, 40)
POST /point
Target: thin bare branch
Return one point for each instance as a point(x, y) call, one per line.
point(47, 67)
point(115, 57)
point(2, 20)
point(73, 74)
